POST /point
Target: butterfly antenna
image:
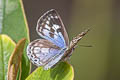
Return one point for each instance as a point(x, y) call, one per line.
point(86, 45)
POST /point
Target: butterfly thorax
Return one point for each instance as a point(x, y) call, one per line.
point(70, 49)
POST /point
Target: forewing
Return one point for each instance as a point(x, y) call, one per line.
point(50, 27)
point(41, 51)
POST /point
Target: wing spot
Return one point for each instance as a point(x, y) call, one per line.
point(47, 22)
point(47, 27)
point(52, 30)
point(56, 17)
point(59, 30)
point(35, 60)
point(51, 16)
point(52, 34)
point(36, 49)
point(40, 29)
point(32, 56)
point(56, 27)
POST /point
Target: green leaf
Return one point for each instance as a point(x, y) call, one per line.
point(6, 48)
point(15, 60)
point(13, 23)
point(62, 71)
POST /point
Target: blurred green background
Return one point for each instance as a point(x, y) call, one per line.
point(100, 62)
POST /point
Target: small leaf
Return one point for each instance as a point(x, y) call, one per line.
point(62, 71)
point(15, 59)
point(6, 48)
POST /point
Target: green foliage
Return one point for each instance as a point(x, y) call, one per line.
point(6, 48)
point(13, 24)
point(62, 71)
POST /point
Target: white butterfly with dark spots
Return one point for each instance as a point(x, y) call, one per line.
point(54, 46)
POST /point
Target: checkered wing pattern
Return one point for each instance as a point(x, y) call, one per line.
point(41, 51)
point(50, 27)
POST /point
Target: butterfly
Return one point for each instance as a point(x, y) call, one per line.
point(54, 46)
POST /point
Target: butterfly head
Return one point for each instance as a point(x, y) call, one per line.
point(73, 44)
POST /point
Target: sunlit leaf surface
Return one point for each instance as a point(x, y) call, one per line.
point(62, 71)
point(6, 48)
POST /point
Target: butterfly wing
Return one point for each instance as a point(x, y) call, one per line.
point(55, 59)
point(50, 27)
point(41, 52)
